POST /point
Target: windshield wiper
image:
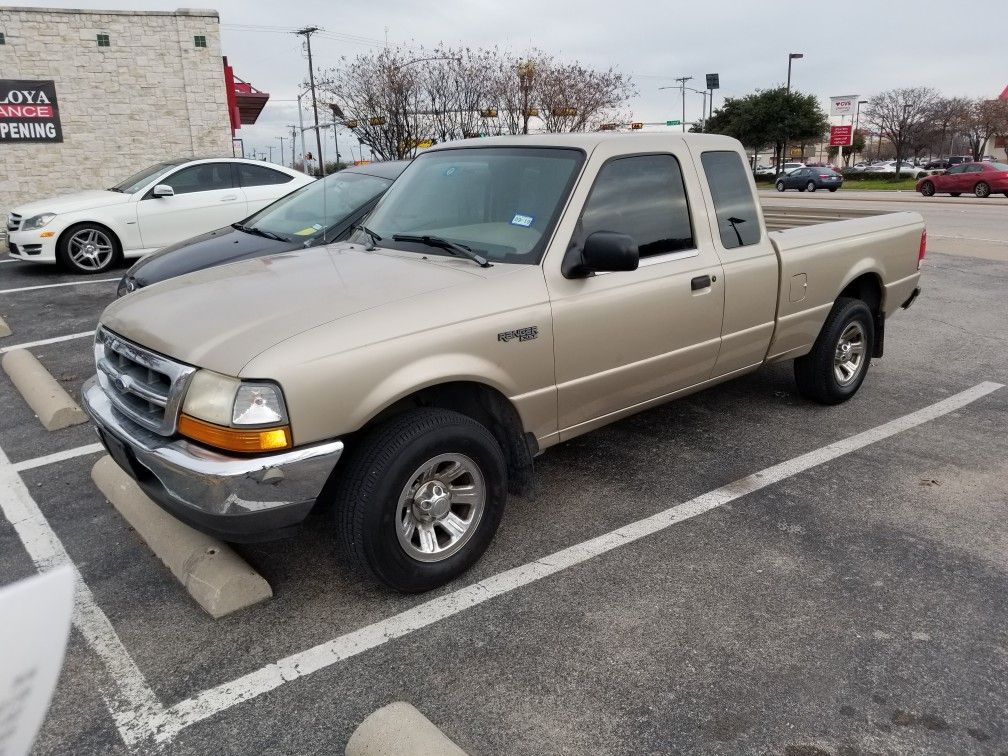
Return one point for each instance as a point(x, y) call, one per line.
point(449, 246)
point(371, 235)
point(258, 232)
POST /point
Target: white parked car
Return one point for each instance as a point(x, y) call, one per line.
point(169, 202)
point(889, 169)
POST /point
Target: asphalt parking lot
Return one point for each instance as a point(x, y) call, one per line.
point(849, 602)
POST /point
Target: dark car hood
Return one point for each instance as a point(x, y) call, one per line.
point(225, 245)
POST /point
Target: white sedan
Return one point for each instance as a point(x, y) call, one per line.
point(889, 169)
point(89, 232)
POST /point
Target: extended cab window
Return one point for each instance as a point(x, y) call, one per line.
point(734, 203)
point(644, 197)
point(200, 178)
point(258, 175)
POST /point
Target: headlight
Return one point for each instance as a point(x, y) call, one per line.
point(37, 221)
point(246, 416)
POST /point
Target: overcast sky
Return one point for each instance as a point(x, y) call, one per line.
point(857, 47)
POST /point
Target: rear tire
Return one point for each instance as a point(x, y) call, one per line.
point(954, 194)
point(398, 480)
point(780, 186)
point(982, 190)
point(834, 188)
point(927, 189)
point(810, 186)
point(836, 367)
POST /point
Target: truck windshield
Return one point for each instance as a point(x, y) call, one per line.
point(500, 201)
point(305, 214)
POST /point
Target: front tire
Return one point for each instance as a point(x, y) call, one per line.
point(836, 367)
point(780, 186)
point(88, 248)
point(927, 189)
point(982, 190)
point(420, 498)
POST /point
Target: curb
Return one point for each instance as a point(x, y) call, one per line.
point(400, 730)
point(213, 574)
point(4, 328)
point(48, 400)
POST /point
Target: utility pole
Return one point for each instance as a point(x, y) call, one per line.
point(281, 150)
point(293, 129)
point(304, 163)
point(682, 87)
point(306, 33)
point(271, 152)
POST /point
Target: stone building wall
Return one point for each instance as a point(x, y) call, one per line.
point(152, 94)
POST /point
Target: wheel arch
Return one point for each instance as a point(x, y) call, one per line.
point(116, 238)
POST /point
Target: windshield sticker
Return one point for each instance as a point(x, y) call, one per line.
point(309, 231)
point(522, 220)
point(450, 170)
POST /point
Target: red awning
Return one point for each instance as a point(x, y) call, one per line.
point(245, 102)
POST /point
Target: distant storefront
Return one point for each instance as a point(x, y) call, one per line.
point(89, 97)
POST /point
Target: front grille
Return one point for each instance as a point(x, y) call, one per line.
point(13, 222)
point(145, 386)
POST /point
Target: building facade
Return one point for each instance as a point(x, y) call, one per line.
point(131, 89)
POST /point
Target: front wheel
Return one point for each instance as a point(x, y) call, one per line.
point(88, 248)
point(780, 186)
point(927, 189)
point(836, 367)
point(982, 190)
point(420, 498)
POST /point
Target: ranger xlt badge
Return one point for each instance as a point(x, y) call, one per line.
point(522, 334)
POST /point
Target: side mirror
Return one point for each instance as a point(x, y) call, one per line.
point(603, 252)
point(163, 190)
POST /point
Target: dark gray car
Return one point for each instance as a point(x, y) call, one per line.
point(809, 179)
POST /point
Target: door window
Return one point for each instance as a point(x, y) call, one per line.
point(974, 168)
point(734, 203)
point(200, 178)
point(643, 197)
point(260, 175)
point(961, 168)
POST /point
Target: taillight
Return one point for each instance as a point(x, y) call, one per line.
point(923, 248)
point(824, 175)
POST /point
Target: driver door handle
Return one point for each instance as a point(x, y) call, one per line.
point(229, 198)
point(700, 282)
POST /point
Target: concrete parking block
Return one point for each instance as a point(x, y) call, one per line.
point(4, 328)
point(49, 401)
point(213, 574)
point(400, 730)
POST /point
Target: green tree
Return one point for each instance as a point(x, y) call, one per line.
point(769, 117)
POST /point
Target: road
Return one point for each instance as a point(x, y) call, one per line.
point(669, 586)
point(956, 225)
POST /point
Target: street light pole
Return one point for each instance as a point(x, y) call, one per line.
point(301, 124)
point(281, 150)
point(857, 120)
point(780, 157)
point(682, 86)
point(306, 33)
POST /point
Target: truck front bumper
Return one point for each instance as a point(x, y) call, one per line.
point(236, 498)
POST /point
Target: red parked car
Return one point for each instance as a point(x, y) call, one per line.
point(982, 179)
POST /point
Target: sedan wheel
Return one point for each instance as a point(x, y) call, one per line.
point(810, 187)
point(780, 186)
point(927, 189)
point(88, 248)
point(982, 190)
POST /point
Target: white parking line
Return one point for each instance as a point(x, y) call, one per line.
point(215, 700)
point(129, 698)
point(43, 342)
point(56, 285)
point(61, 456)
point(7, 261)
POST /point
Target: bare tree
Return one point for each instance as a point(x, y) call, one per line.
point(900, 115)
point(984, 120)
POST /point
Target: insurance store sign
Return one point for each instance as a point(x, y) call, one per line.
point(29, 111)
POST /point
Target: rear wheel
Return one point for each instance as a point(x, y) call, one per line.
point(927, 189)
point(954, 194)
point(88, 248)
point(780, 186)
point(982, 189)
point(420, 498)
point(834, 188)
point(810, 186)
point(836, 367)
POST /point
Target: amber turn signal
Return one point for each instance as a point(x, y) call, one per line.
point(232, 439)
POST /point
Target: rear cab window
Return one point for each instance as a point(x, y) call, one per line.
point(734, 202)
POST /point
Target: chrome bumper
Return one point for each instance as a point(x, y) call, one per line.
point(236, 498)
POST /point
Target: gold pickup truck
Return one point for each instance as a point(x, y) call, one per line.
point(506, 295)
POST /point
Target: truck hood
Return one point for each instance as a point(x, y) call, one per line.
point(70, 203)
point(222, 317)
